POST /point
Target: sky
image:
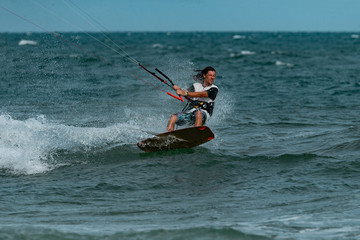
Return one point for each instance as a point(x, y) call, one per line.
point(179, 15)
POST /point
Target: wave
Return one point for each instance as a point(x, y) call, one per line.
point(345, 146)
point(27, 42)
point(31, 146)
point(237, 36)
point(287, 157)
point(280, 63)
point(241, 53)
point(212, 233)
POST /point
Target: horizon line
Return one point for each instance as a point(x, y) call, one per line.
point(190, 31)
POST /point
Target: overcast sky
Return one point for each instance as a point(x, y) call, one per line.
point(181, 15)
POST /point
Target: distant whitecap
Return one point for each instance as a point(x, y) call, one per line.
point(157, 45)
point(355, 36)
point(280, 63)
point(239, 37)
point(246, 52)
point(27, 42)
point(242, 53)
point(73, 55)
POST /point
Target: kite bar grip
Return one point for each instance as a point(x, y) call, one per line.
point(177, 97)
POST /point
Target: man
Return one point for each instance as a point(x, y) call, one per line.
point(200, 108)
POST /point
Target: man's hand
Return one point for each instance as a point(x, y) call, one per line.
point(181, 92)
point(175, 87)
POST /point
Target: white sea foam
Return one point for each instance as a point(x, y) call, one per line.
point(158, 45)
point(27, 147)
point(280, 63)
point(239, 37)
point(242, 53)
point(223, 110)
point(27, 42)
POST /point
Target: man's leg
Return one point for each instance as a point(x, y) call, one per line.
point(171, 123)
point(198, 118)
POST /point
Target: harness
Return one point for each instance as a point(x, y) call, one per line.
point(202, 105)
point(206, 103)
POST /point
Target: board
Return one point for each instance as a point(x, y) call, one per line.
point(182, 138)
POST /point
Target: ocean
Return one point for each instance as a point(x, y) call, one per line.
point(284, 164)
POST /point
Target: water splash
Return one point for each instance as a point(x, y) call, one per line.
point(29, 146)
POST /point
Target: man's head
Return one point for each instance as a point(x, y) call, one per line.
point(209, 75)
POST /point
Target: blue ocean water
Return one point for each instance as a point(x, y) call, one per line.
point(284, 163)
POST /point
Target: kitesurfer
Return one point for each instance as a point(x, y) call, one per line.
point(202, 95)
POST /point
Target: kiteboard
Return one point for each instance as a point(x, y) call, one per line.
point(182, 138)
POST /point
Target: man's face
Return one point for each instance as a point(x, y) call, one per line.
point(209, 78)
